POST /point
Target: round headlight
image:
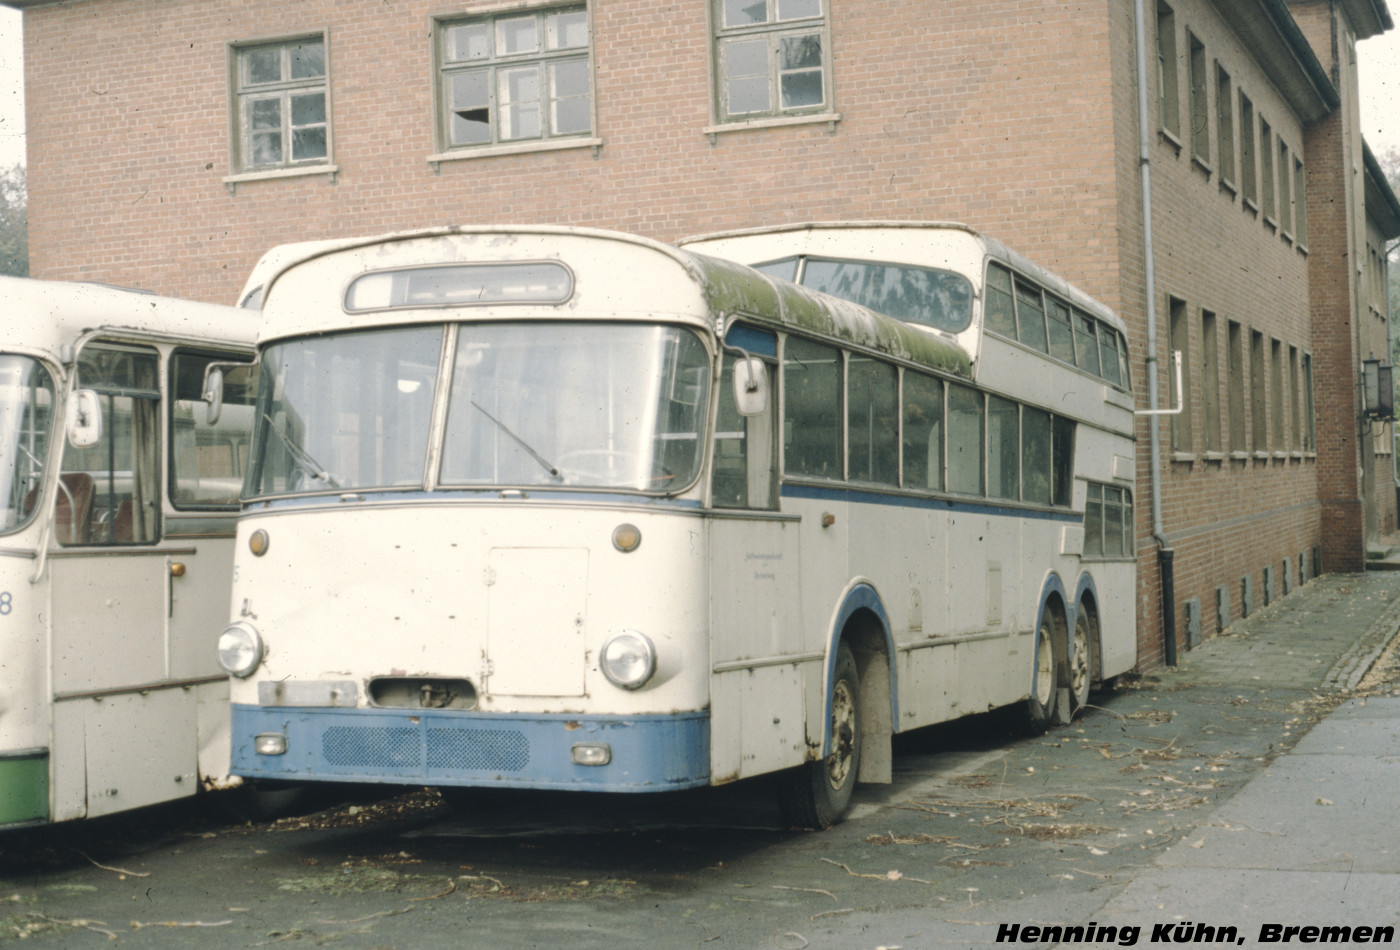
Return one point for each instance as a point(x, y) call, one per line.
point(240, 649)
point(628, 660)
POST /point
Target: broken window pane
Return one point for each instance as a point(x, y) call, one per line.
point(471, 108)
point(801, 71)
point(745, 12)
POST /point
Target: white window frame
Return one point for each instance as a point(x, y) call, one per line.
point(774, 31)
point(493, 64)
point(243, 92)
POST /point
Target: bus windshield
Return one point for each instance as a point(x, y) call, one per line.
point(530, 404)
point(26, 413)
point(585, 405)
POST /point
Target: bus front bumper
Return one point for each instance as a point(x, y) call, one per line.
point(645, 753)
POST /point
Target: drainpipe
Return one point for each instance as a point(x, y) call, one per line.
point(1165, 553)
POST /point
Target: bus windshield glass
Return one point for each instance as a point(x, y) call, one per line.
point(576, 405)
point(344, 411)
point(26, 413)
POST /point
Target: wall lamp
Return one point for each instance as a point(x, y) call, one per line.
point(1377, 391)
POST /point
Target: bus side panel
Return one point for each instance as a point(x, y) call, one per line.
point(928, 681)
point(757, 713)
point(1117, 615)
point(122, 597)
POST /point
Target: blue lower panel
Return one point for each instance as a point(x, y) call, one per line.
point(443, 747)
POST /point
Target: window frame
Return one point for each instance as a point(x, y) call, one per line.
point(239, 92)
point(493, 63)
point(1168, 74)
point(774, 31)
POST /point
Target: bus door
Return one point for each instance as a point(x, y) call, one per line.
point(133, 619)
point(756, 703)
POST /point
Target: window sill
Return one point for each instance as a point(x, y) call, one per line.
point(1301, 248)
point(516, 148)
point(233, 181)
point(1186, 458)
point(1170, 138)
point(1287, 237)
point(1239, 456)
point(1270, 222)
point(1228, 185)
point(1213, 456)
point(1251, 206)
point(772, 122)
point(1203, 164)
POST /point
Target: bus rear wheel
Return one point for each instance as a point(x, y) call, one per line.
point(817, 794)
point(1081, 668)
point(1045, 692)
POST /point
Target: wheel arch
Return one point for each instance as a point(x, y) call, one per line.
point(862, 623)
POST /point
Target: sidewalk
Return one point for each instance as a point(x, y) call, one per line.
point(1255, 784)
point(1311, 840)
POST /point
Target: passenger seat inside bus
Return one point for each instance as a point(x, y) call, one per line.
point(72, 508)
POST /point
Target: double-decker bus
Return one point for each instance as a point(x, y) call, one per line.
point(557, 508)
point(120, 493)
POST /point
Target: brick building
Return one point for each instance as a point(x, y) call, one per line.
point(173, 141)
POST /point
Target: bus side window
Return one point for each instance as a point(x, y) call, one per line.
point(743, 474)
point(109, 492)
point(965, 436)
point(207, 460)
point(811, 409)
point(923, 432)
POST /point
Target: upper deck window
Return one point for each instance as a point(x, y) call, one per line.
point(457, 285)
point(924, 295)
point(514, 77)
point(1047, 324)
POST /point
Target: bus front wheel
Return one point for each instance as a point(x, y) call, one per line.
point(1045, 692)
point(817, 794)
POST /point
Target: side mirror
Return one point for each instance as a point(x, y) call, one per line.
point(750, 386)
point(84, 419)
point(212, 392)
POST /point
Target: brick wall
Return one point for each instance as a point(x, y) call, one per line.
point(1018, 118)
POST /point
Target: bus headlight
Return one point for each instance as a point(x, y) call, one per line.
point(240, 649)
point(628, 660)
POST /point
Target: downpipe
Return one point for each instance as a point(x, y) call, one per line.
point(1165, 553)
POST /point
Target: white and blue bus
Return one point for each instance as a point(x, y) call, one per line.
point(116, 546)
point(556, 508)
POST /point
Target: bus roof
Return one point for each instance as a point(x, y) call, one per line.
point(47, 315)
point(615, 275)
point(926, 243)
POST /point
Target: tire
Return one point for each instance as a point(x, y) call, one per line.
point(1045, 683)
point(1081, 661)
point(817, 794)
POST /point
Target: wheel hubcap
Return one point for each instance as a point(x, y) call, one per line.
point(843, 735)
point(1044, 668)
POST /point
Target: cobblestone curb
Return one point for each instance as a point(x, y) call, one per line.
point(1352, 665)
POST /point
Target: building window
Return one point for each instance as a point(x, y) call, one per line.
point(1235, 345)
point(1248, 162)
point(281, 104)
point(1295, 387)
point(517, 77)
point(1200, 109)
point(1180, 335)
point(1285, 188)
point(1310, 418)
point(1276, 388)
point(1225, 122)
point(1258, 407)
point(1266, 172)
point(772, 58)
point(1168, 104)
point(1300, 212)
point(1210, 381)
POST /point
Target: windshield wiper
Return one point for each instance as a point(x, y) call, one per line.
point(313, 467)
point(544, 463)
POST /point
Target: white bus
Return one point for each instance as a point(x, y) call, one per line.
point(116, 546)
point(555, 508)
